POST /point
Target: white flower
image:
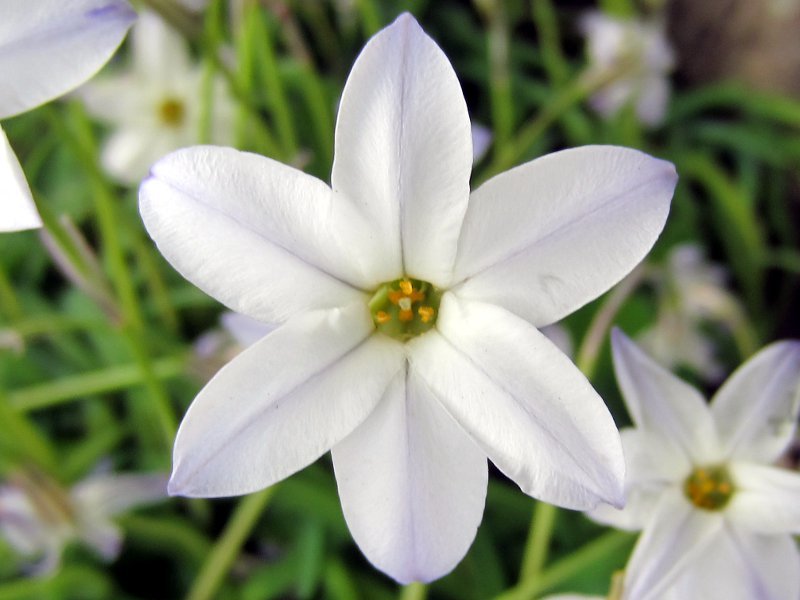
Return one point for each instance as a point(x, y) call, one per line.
point(692, 293)
point(154, 106)
point(637, 58)
point(39, 518)
point(407, 310)
point(716, 514)
point(47, 48)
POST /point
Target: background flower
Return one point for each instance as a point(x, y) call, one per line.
point(47, 48)
point(717, 517)
point(156, 104)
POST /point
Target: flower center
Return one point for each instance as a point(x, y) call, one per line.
point(405, 308)
point(709, 488)
point(171, 112)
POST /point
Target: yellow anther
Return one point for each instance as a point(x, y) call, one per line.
point(406, 287)
point(382, 317)
point(425, 313)
point(406, 315)
point(709, 488)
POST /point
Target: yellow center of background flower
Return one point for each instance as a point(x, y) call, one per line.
point(171, 112)
point(709, 488)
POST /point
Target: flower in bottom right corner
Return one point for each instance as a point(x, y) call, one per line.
point(717, 516)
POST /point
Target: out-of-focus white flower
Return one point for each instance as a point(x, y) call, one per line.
point(39, 518)
point(717, 515)
point(47, 48)
point(692, 293)
point(155, 106)
point(636, 57)
point(406, 310)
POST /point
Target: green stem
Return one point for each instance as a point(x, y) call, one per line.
point(507, 156)
point(224, 553)
point(500, 93)
point(82, 140)
point(9, 302)
point(589, 351)
point(414, 591)
point(263, 38)
point(107, 380)
point(737, 224)
point(370, 18)
point(569, 566)
point(538, 545)
point(546, 19)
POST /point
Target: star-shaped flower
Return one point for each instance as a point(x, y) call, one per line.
point(154, 105)
point(39, 518)
point(407, 308)
point(47, 48)
point(637, 58)
point(717, 514)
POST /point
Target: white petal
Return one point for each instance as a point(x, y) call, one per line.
point(17, 210)
point(404, 151)
point(282, 403)
point(527, 406)
point(767, 499)
point(109, 495)
point(660, 402)
point(744, 566)
point(20, 524)
point(675, 539)
point(652, 465)
point(770, 565)
point(651, 106)
point(255, 234)
point(102, 535)
point(130, 152)
point(159, 52)
point(50, 47)
point(756, 410)
point(412, 484)
point(547, 237)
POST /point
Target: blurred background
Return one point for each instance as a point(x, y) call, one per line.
point(103, 345)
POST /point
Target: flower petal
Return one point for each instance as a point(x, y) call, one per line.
point(756, 409)
point(282, 403)
point(527, 406)
point(547, 237)
point(660, 402)
point(674, 540)
point(744, 566)
point(652, 465)
point(49, 49)
point(255, 234)
point(18, 210)
point(767, 499)
point(404, 152)
point(159, 52)
point(412, 484)
point(109, 495)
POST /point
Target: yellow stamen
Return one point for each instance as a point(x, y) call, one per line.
point(406, 315)
point(382, 317)
point(406, 287)
point(425, 313)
